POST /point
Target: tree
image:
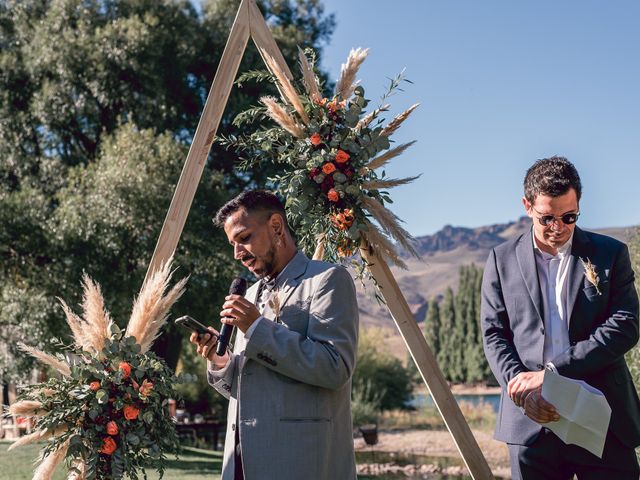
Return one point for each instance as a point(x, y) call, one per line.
point(447, 317)
point(98, 102)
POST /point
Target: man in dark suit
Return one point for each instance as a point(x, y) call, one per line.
point(563, 299)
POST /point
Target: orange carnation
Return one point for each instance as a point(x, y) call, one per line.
point(126, 369)
point(342, 156)
point(109, 446)
point(328, 168)
point(112, 428)
point(130, 412)
point(95, 385)
point(333, 195)
point(316, 139)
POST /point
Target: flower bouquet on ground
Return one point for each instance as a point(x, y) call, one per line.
point(107, 414)
point(331, 152)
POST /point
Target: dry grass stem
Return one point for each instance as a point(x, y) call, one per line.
point(98, 323)
point(26, 408)
point(388, 155)
point(282, 118)
point(287, 90)
point(152, 306)
point(393, 182)
point(346, 84)
point(389, 222)
point(37, 436)
point(79, 473)
point(364, 122)
point(397, 121)
point(318, 254)
point(381, 245)
point(46, 358)
point(309, 78)
point(50, 462)
point(78, 328)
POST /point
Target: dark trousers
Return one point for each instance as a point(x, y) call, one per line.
point(549, 458)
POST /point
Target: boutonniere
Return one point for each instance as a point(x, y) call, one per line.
point(274, 304)
point(590, 273)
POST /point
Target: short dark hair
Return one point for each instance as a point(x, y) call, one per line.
point(552, 177)
point(252, 201)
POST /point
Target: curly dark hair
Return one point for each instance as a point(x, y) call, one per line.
point(252, 201)
point(552, 177)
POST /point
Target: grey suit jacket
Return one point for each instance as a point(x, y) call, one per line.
point(602, 328)
point(289, 386)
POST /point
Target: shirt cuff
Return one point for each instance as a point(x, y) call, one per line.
point(251, 329)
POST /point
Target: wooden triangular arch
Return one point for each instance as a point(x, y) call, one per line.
point(249, 22)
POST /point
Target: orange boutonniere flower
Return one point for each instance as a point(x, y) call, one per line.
point(126, 369)
point(316, 139)
point(328, 168)
point(342, 156)
point(109, 446)
point(333, 195)
point(95, 385)
point(130, 412)
point(112, 428)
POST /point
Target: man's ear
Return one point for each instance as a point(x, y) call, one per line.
point(527, 206)
point(276, 223)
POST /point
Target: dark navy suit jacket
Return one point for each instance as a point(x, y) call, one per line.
point(602, 328)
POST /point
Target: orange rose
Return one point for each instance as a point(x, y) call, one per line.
point(95, 385)
point(109, 446)
point(316, 139)
point(343, 220)
point(333, 195)
point(126, 369)
point(328, 168)
point(130, 412)
point(342, 156)
point(145, 389)
point(112, 428)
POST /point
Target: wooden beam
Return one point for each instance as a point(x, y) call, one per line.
point(264, 41)
point(202, 140)
point(428, 367)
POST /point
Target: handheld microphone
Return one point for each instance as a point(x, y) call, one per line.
point(238, 287)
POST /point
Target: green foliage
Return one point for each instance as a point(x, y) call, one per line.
point(432, 326)
point(379, 377)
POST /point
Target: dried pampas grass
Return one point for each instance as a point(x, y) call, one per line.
point(393, 182)
point(381, 245)
point(46, 358)
point(346, 84)
point(369, 117)
point(26, 408)
point(281, 117)
point(389, 222)
point(396, 122)
point(78, 328)
point(151, 308)
point(287, 91)
point(37, 436)
point(388, 155)
point(318, 254)
point(50, 462)
point(97, 318)
point(309, 78)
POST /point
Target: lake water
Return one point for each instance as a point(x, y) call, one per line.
point(424, 399)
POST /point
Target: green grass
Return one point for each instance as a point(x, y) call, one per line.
point(192, 464)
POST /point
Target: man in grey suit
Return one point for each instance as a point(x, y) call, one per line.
point(563, 299)
point(288, 379)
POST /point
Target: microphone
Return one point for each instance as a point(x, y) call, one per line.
point(238, 287)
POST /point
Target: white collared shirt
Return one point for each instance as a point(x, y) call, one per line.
point(553, 275)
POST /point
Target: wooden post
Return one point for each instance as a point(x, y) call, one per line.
point(202, 140)
point(428, 367)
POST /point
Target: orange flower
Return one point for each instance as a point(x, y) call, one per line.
point(109, 446)
point(316, 139)
point(328, 168)
point(343, 220)
point(334, 105)
point(112, 428)
point(345, 251)
point(342, 156)
point(333, 195)
point(131, 412)
point(145, 389)
point(126, 369)
point(321, 101)
point(95, 385)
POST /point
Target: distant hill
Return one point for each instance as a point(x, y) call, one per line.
point(442, 255)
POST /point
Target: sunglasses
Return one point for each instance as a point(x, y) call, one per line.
point(567, 218)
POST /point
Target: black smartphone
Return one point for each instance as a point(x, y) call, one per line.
point(192, 324)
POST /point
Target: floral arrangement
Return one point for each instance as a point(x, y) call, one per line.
point(330, 151)
point(107, 413)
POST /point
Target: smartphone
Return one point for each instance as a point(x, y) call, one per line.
point(192, 324)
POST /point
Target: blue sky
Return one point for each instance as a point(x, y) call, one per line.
point(503, 83)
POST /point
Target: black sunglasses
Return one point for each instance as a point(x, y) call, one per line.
point(567, 218)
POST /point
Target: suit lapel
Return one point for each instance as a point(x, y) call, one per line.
point(580, 249)
point(528, 268)
point(295, 270)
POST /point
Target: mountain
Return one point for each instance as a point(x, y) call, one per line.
point(441, 256)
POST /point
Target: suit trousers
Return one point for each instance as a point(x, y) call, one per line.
point(549, 458)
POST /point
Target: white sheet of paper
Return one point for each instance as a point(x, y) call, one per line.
point(584, 412)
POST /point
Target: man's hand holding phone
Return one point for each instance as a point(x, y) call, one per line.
point(205, 338)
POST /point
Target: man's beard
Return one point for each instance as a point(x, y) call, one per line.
point(269, 262)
